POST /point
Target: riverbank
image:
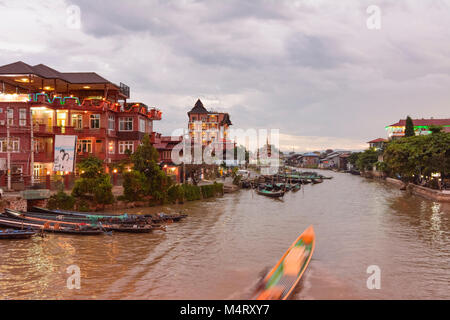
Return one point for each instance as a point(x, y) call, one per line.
point(431, 194)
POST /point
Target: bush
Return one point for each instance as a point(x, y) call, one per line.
point(61, 200)
point(93, 183)
point(175, 193)
point(191, 192)
point(83, 205)
point(135, 185)
point(211, 190)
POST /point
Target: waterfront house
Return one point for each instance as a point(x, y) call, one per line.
point(377, 144)
point(42, 102)
point(335, 160)
point(310, 159)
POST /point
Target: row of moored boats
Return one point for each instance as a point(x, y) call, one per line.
point(26, 224)
point(277, 185)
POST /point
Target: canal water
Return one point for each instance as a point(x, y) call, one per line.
point(219, 251)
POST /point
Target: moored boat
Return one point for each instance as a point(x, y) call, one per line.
point(47, 226)
point(16, 234)
point(271, 194)
point(79, 222)
point(282, 279)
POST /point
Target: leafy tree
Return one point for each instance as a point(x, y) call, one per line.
point(409, 127)
point(435, 129)
point(367, 159)
point(414, 157)
point(61, 200)
point(353, 158)
point(145, 161)
point(93, 184)
point(134, 185)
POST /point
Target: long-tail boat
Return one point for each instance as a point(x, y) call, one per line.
point(271, 194)
point(295, 187)
point(80, 221)
point(281, 281)
point(16, 234)
point(130, 218)
point(47, 226)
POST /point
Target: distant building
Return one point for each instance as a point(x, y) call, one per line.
point(207, 127)
point(421, 127)
point(377, 144)
point(335, 160)
point(310, 159)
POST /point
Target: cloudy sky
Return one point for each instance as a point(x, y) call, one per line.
point(312, 68)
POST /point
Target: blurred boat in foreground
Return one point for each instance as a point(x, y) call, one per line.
point(281, 281)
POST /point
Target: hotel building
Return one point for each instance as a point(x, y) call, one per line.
point(41, 102)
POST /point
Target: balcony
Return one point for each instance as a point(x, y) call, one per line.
point(155, 114)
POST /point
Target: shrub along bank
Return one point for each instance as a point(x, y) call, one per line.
point(187, 192)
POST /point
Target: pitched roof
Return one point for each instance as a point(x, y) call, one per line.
point(44, 71)
point(378, 140)
point(198, 108)
point(18, 67)
point(226, 120)
point(310, 154)
point(423, 122)
point(83, 77)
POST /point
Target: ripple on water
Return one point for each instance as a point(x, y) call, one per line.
point(219, 250)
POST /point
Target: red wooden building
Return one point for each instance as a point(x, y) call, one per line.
point(42, 102)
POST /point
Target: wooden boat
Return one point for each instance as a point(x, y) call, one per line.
point(48, 227)
point(271, 194)
point(16, 234)
point(79, 221)
point(296, 187)
point(92, 216)
point(281, 281)
point(108, 218)
point(316, 181)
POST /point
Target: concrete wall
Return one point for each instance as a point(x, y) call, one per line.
point(431, 194)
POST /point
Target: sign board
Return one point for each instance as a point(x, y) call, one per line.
point(64, 153)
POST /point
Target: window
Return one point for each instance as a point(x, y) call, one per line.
point(125, 145)
point(126, 124)
point(22, 117)
point(111, 122)
point(77, 121)
point(84, 146)
point(111, 147)
point(142, 125)
point(10, 117)
point(95, 121)
point(14, 145)
point(150, 126)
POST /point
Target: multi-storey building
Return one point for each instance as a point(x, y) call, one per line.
point(421, 126)
point(208, 127)
point(40, 102)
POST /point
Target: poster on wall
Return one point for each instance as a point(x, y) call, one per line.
point(64, 153)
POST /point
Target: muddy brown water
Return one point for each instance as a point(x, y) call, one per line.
point(219, 250)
